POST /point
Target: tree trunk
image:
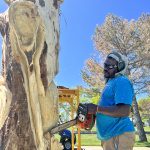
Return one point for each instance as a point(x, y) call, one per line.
point(138, 121)
point(28, 108)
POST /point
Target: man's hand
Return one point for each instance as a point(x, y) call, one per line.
point(92, 108)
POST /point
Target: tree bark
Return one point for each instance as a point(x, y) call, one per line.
point(30, 33)
point(138, 121)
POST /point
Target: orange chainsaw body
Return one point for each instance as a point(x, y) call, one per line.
point(88, 123)
point(85, 121)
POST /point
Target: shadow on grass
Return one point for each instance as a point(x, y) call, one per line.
point(142, 144)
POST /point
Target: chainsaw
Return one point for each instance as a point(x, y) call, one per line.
point(83, 119)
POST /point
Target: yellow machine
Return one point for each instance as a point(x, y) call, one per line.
point(71, 96)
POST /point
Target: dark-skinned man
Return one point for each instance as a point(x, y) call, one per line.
point(114, 128)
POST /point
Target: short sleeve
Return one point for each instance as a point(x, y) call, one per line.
point(123, 91)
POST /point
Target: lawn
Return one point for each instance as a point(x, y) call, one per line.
point(91, 140)
point(147, 129)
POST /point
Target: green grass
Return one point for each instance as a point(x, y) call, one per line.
point(143, 144)
point(147, 129)
point(91, 139)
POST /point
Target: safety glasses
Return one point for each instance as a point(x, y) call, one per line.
point(108, 66)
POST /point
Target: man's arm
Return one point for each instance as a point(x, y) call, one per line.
point(119, 110)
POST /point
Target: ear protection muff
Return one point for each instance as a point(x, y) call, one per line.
point(118, 58)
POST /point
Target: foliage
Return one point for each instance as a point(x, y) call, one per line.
point(64, 112)
point(144, 106)
point(92, 74)
point(88, 95)
point(131, 38)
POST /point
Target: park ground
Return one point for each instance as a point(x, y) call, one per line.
point(100, 148)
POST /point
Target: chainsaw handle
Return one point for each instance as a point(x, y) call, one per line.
point(82, 112)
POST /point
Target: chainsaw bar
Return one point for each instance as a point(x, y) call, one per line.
point(63, 126)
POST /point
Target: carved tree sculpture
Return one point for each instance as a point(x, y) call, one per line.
point(28, 95)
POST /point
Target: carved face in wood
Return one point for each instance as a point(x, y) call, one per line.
point(26, 22)
point(29, 21)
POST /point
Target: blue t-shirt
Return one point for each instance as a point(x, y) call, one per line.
point(117, 90)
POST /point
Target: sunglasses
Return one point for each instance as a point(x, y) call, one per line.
point(108, 66)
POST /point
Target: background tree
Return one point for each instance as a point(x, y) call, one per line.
point(129, 38)
point(89, 95)
point(144, 107)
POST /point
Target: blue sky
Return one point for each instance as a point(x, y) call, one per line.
point(78, 21)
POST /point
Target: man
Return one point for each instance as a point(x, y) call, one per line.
point(114, 127)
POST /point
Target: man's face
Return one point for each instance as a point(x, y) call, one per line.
point(110, 68)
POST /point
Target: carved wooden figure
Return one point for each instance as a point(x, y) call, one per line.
point(29, 101)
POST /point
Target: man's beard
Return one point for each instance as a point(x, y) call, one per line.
point(107, 75)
